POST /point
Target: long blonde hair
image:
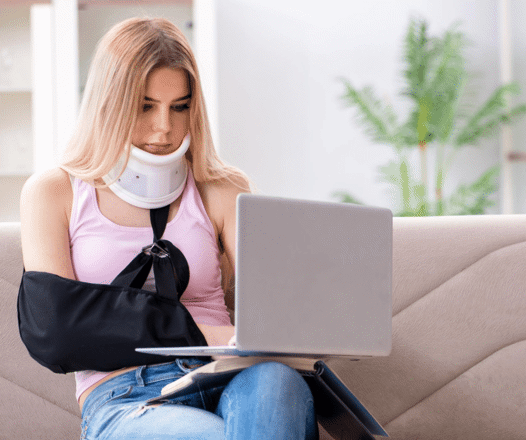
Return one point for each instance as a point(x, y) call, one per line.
point(116, 83)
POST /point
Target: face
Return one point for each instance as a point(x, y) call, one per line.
point(163, 119)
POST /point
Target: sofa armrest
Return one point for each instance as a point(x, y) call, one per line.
point(34, 402)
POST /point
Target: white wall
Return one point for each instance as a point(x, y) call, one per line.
point(280, 117)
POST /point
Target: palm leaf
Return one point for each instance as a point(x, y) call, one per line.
point(448, 111)
point(491, 115)
point(442, 88)
point(446, 85)
point(474, 199)
point(378, 119)
point(417, 56)
point(345, 197)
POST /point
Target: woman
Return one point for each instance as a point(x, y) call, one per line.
point(143, 95)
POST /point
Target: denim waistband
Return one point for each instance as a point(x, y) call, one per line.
point(148, 374)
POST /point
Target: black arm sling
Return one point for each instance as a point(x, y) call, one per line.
point(69, 325)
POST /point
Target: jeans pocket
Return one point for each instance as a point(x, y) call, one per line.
point(94, 405)
point(119, 393)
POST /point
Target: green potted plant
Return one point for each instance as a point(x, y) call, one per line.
point(439, 119)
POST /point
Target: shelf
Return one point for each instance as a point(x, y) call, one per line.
point(90, 3)
point(6, 89)
point(20, 173)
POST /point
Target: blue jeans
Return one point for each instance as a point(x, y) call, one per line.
point(265, 401)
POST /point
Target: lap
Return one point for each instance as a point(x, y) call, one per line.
point(117, 410)
point(266, 382)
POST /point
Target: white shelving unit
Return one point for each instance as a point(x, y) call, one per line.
point(16, 116)
point(45, 51)
point(16, 134)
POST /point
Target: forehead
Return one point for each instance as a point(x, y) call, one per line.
point(167, 83)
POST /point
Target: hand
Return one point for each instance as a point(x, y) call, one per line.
point(218, 334)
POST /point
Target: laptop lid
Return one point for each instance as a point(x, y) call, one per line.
point(313, 277)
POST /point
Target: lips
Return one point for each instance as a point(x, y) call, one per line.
point(157, 148)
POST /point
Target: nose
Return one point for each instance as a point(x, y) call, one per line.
point(161, 121)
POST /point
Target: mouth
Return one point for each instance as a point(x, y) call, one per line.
point(158, 149)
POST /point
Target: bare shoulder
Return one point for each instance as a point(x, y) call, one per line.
point(219, 196)
point(50, 190)
point(45, 205)
point(227, 187)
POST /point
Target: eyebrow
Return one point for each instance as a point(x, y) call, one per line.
point(146, 98)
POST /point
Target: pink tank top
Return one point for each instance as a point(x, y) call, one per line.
point(100, 249)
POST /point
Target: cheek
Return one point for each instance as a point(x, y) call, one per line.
point(181, 123)
point(184, 119)
point(138, 133)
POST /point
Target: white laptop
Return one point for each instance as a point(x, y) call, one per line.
point(313, 279)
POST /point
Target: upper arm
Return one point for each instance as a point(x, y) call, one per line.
point(226, 205)
point(219, 198)
point(224, 219)
point(44, 215)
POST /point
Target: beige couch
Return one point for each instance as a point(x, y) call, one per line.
point(458, 366)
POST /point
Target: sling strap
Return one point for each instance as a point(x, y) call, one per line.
point(170, 266)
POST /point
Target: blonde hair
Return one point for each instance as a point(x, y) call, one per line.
point(116, 83)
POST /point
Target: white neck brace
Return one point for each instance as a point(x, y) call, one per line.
point(150, 181)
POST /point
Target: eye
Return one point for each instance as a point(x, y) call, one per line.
point(181, 107)
point(146, 107)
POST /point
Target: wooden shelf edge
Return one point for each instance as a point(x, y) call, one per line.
point(15, 90)
point(23, 173)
